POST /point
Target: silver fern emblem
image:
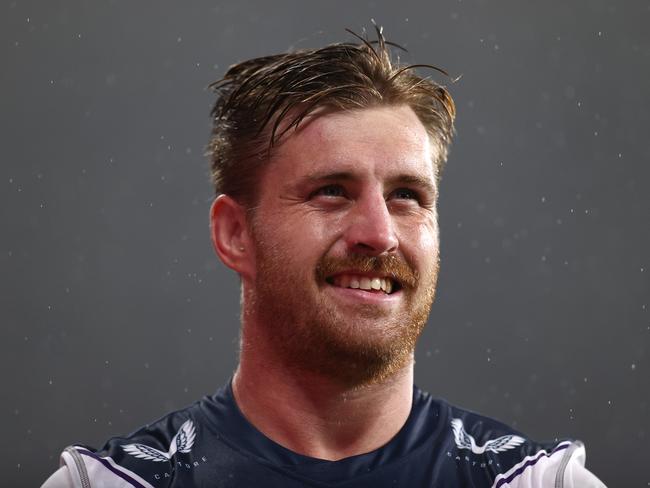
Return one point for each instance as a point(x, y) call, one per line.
point(466, 441)
point(182, 442)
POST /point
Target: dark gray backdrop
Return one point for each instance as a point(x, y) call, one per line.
point(114, 309)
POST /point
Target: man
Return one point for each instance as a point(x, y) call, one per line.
point(326, 164)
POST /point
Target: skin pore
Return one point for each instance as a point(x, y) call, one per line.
point(326, 368)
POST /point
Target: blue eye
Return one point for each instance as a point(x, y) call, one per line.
point(405, 193)
point(330, 191)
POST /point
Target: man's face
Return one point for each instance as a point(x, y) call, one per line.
point(347, 203)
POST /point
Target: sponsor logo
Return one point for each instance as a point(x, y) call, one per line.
point(182, 442)
point(466, 441)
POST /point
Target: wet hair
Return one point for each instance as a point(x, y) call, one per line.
point(262, 99)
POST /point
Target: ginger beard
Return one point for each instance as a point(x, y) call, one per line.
point(310, 332)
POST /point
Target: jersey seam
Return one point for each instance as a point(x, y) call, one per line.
point(80, 465)
point(559, 477)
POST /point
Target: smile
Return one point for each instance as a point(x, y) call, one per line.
point(378, 284)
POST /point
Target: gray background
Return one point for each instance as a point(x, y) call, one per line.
point(114, 309)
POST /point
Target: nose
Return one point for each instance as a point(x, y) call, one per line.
point(371, 229)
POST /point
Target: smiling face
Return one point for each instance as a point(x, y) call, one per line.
point(346, 244)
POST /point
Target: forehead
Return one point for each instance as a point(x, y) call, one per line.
point(381, 140)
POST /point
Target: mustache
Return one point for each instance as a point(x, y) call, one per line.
point(391, 265)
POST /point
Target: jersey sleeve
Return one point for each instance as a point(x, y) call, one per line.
point(90, 470)
point(572, 472)
point(59, 479)
point(559, 468)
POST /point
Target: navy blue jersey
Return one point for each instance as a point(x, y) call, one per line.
point(211, 444)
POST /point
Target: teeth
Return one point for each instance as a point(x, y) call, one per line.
point(364, 283)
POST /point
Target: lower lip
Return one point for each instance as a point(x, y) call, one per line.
point(361, 296)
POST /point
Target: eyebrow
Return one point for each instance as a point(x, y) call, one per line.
point(401, 179)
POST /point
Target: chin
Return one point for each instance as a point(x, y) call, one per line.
point(360, 354)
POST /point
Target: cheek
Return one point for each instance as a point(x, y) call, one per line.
point(294, 240)
point(430, 239)
point(420, 238)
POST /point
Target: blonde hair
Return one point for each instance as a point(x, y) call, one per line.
point(257, 97)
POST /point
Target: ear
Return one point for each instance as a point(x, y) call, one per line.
point(230, 235)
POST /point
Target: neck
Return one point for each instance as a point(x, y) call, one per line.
point(313, 414)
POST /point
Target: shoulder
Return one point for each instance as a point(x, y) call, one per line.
point(483, 448)
point(136, 459)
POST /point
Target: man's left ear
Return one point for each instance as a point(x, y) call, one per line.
point(230, 235)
